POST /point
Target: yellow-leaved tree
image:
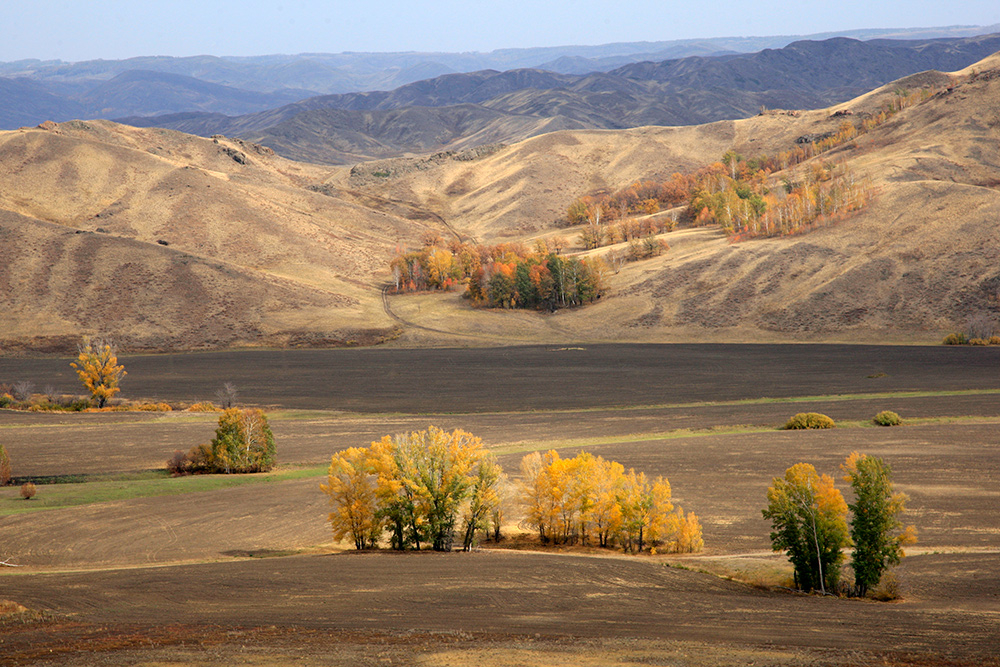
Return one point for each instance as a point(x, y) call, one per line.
point(98, 368)
point(352, 484)
point(809, 521)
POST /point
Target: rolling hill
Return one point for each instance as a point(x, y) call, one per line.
point(175, 242)
point(172, 242)
point(919, 262)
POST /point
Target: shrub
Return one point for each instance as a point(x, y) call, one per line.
point(78, 405)
point(6, 400)
point(954, 339)
point(204, 406)
point(27, 490)
point(887, 418)
point(153, 407)
point(804, 420)
point(177, 464)
point(978, 341)
point(4, 466)
point(993, 340)
point(888, 588)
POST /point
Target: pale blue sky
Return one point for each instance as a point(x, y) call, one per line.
point(75, 30)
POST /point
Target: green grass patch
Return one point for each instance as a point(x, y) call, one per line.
point(73, 491)
point(825, 398)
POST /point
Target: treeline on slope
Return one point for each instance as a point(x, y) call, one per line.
point(506, 275)
point(431, 486)
point(744, 195)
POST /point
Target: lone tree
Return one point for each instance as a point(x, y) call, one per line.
point(243, 442)
point(99, 370)
point(877, 532)
point(809, 520)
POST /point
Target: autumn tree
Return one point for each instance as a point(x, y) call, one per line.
point(243, 442)
point(5, 471)
point(809, 520)
point(876, 530)
point(352, 484)
point(485, 499)
point(98, 368)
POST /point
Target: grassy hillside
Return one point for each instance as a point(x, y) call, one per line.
point(921, 260)
point(170, 241)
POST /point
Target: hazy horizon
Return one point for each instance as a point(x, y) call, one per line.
point(60, 30)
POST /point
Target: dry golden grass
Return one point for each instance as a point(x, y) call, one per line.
point(916, 264)
point(252, 256)
point(255, 257)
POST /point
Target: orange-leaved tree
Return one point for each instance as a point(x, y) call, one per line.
point(809, 521)
point(98, 368)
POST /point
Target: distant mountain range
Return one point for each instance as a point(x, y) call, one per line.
point(459, 111)
point(32, 91)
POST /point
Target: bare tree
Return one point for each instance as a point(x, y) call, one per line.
point(227, 395)
point(23, 390)
point(980, 325)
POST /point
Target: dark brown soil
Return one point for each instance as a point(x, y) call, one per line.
point(533, 377)
point(167, 579)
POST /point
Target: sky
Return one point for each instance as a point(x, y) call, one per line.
point(112, 29)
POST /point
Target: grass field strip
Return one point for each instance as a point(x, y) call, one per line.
point(145, 484)
point(828, 398)
point(344, 415)
point(79, 490)
point(539, 445)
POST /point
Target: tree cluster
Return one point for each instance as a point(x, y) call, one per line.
point(423, 488)
point(809, 520)
point(507, 275)
point(740, 194)
point(243, 443)
point(762, 207)
point(588, 498)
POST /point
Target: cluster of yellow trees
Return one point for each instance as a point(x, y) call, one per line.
point(429, 487)
point(589, 498)
point(420, 487)
point(762, 207)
